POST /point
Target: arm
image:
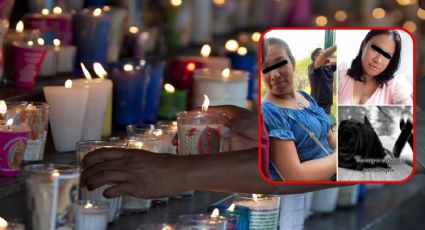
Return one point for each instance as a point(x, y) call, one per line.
point(143, 174)
point(285, 157)
point(321, 59)
point(331, 140)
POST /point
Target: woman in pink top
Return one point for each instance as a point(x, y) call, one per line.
point(370, 79)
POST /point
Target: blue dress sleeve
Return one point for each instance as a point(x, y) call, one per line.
point(276, 122)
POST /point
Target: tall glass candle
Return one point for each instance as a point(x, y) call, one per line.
point(27, 59)
point(67, 111)
point(35, 115)
point(154, 89)
point(324, 201)
point(92, 214)
point(49, 63)
point(52, 193)
point(264, 210)
point(245, 60)
point(178, 26)
point(91, 30)
point(13, 140)
point(202, 21)
point(129, 93)
point(84, 147)
point(51, 24)
point(115, 36)
point(205, 221)
point(198, 132)
point(139, 42)
point(227, 87)
point(65, 56)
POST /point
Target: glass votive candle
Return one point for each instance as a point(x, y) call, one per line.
point(169, 129)
point(52, 193)
point(84, 147)
point(198, 132)
point(36, 116)
point(203, 221)
point(264, 210)
point(92, 215)
point(162, 226)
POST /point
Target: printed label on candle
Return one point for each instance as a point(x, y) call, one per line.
point(12, 150)
point(200, 140)
point(264, 219)
point(52, 201)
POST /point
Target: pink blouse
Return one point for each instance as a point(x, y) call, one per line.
point(394, 92)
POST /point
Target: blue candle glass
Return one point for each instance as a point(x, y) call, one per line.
point(156, 67)
point(245, 62)
point(129, 92)
point(240, 213)
point(96, 3)
point(91, 30)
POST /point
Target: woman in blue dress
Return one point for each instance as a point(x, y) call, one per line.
point(302, 144)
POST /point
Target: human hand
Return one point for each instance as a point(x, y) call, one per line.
point(133, 172)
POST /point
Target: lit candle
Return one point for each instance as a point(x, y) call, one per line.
point(65, 57)
point(171, 102)
point(139, 42)
point(206, 221)
point(92, 214)
point(223, 13)
point(227, 87)
point(27, 59)
point(202, 21)
point(51, 25)
point(99, 90)
point(91, 36)
point(198, 131)
point(13, 140)
point(49, 64)
point(107, 118)
point(4, 225)
point(264, 211)
point(129, 96)
point(213, 63)
point(52, 193)
point(324, 201)
point(67, 111)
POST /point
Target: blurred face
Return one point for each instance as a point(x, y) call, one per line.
point(377, 54)
point(278, 80)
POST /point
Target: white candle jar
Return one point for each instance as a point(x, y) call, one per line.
point(264, 210)
point(222, 88)
point(92, 215)
point(84, 147)
point(199, 132)
point(52, 193)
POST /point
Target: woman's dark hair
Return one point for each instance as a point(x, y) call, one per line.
point(356, 70)
point(267, 42)
point(315, 53)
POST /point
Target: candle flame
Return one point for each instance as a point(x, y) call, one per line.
point(225, 73)
point(106, 8)
point(99, 70)
point(190, 66)
point(30, 43)
point(68, 84)
point(57, 10)
point(169, 88)
point(44, 11)
point(205, 50)
point(215, 213)
point(138, 145)
point(97, 12)
point(232, 45)
point(85, 71)
point(3, 222)
point(255, 197)
point(256, 36)
point(176, 2)
point(133, 29)
point(231, 208)
point(20, 27)
point(128, 67)
point(9, 122)
point(206, 103)
point(56, 42)
point(3, 107)
point(56, 174)
point(167, 227)
point(242, 51)
point(40, 41)
point(219, 2)
point(88, 205)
